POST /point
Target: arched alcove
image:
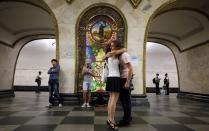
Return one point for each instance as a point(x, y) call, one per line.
point(97, 26)
point(39, 20)
point(183, 27)
point(160, 59)
point(35, 56)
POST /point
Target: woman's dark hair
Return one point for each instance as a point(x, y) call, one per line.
point(107, 49)
point(117, 43)
point(54, 60)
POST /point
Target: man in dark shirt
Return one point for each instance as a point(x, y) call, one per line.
point(157, 83)
point(166, 83)
point(54, 83)
point(38, 81)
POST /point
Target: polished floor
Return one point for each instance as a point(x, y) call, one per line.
point(28, 112)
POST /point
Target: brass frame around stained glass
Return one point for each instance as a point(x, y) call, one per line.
point(88, 14)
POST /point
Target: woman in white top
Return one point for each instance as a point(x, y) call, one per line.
point(113, 84)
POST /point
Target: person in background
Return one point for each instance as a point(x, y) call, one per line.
point(53, 83)
point(166, 83)
point(88, 75)
point(38, 81)
point(156, 81)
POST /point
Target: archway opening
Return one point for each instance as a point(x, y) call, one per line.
point(183, 27)
point(34, 57)
point(161, 60)
point(39, 22)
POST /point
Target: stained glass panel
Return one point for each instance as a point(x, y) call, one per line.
point(97, 28)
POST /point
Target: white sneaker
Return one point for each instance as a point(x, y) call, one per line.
point(84, 105)
point(88, 105)
point(50, 105)
point(60, 105)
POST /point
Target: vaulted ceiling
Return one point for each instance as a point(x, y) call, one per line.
point(184, 23)
point(24, 18)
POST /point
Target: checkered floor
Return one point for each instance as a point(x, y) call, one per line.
point(28, 112)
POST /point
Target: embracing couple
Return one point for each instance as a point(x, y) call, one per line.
point(118, 83)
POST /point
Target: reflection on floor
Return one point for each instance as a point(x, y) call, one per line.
point(28, 112)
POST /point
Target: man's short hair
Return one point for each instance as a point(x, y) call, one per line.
point(54, 60)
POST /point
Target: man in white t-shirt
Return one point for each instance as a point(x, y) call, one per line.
point(126, 72)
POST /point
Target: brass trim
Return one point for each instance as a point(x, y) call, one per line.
point(135, 3)
point(76, 34)
point(169, 2)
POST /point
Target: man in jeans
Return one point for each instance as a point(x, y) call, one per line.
point(126, 72)
point(157, 83)
point(54, 83)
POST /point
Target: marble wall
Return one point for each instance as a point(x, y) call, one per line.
point(7, 59)
point(192, 64)
point(194, 70)
point(67, 16)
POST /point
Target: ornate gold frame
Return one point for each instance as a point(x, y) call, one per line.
point(76, 34)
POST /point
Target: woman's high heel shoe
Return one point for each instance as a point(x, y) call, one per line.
point(113, 126)
point(108, 122)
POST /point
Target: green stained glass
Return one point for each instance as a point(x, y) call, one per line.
point(97, 28)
